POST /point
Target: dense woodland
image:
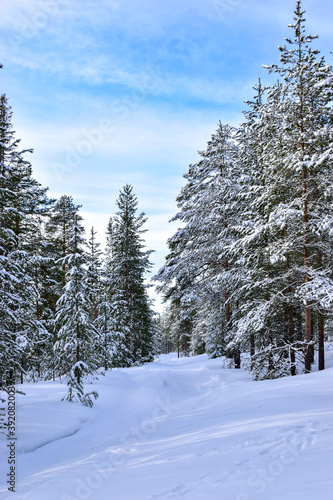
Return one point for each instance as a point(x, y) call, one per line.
point(65, 309)
point(250, 269)
point(249, 273)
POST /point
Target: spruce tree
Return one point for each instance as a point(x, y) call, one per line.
point(94, 273)
point(23, 203)
point(77, 347)
point(128, 263)
point(111, 325)
point(59, 229)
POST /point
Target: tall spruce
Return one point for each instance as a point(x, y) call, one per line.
point(59, 244)
point(128, 264)
point(23, 203)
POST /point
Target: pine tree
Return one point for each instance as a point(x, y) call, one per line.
point(306, 162)
point(77, 348)
point(255, 244)
point(23, 203)
point(128, 263)
point(111, 323)
point(59, 231)
point(197, 276)
point(59, 244)
point(162, 339)
point(39, 352)
point(285, 145)
point(94, 274)
point(259, 324)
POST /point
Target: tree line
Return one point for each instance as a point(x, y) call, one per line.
point(66, 309)
point(250, 269)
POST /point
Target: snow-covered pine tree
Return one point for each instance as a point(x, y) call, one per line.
point(59, 244)
point(100, 288)
point(128, 263)
point(94, 273)
point(22, 205)
point(249, 159)
point(40, 351)
point(283, 228)
point(10, 350)
point(257, 222)
point(59, 231)
point(197, 277)
point(111, 331)
point(112, 326)
point(31, 207)
point(179, 293)
point(260, 320)
point(305, 160)
point(77, 349)
point(182, 312)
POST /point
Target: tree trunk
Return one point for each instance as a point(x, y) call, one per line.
point(307, 311)
point(321, 331)
point(291, 331)
point(237, 357)
point(321, 347)
point(252, 345)
point(307, 338)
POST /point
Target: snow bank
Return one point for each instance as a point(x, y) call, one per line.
point(178, 429)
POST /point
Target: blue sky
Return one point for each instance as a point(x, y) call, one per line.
point(109, 92)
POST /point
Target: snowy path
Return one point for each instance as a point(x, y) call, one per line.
point(179, 429)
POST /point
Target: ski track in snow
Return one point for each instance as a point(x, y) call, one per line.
point(178, 429)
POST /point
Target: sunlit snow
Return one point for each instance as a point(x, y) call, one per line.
point(188, 428)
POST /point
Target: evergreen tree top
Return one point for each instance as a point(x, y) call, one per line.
point(299, 52)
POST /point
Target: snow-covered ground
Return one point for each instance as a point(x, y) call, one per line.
point(185, 428)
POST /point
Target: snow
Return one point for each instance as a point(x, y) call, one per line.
point(188, 428)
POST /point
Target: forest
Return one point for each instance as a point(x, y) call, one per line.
point(250, 269)
point(249, 273)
